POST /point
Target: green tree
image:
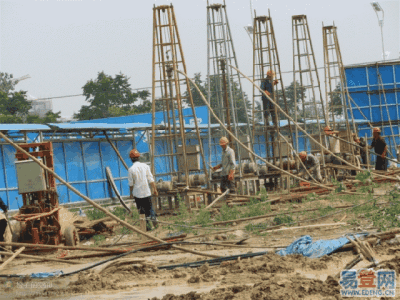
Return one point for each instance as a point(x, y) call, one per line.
point(197, 100)
point(336, 101)
point(14, 103)
point(108, 96)
point(50, 117)
point(7, 83)
point(216, 98)
point(290, 98)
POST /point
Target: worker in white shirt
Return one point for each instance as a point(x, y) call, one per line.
point(334, 146)
point(140, 179)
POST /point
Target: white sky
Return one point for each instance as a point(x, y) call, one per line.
point(63, 44)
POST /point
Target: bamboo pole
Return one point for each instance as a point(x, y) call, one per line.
point(27, 245)
point(11, 258)
point(116, 150)
point(47, 258)
point(301, 129)
point(244, 146)
point(217, 199)
point(99, 207)
point(306, 226)
point(274, 214)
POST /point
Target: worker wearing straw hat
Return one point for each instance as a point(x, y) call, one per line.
point(380, 147)
point(228, 165)
point(267, 85)
point(312, 164)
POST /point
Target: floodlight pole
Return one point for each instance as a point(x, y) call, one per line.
point(383, 45)
point(378, 8)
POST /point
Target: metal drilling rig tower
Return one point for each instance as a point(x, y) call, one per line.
point(266, 58)
point(335, 79)
point(307, 84)
point(224, 86)
point(170, 150)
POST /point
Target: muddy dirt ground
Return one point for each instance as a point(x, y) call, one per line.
point(268, 276)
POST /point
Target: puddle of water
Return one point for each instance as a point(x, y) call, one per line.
point(141, 293)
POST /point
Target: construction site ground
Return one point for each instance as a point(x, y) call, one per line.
point(267, 276)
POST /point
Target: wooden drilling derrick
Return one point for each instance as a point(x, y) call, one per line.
point(265, 57)
point(170, 150)
point(222, 81)
point(305, 74)
point(336, 87)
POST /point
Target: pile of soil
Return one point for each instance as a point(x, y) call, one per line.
point(272, 288)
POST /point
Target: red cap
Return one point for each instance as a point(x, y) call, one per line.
point(134, 153)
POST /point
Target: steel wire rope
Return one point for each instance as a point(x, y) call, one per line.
point(269, 164)
point(305, 132)
point(240, 143)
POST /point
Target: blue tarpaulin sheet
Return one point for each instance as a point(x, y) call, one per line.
point(46, 274)
point(307, 247)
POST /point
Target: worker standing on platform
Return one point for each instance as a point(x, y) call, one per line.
point(267, 85)
point(140, 179)
point(228, 165)
point(380, 147)
point(5, 235)
point(312, 164)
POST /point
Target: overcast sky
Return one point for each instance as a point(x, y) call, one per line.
point(63, 44)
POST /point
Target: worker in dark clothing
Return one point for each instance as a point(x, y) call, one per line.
point(267, 85)
point(3, 222)
point(363, 152)
point(380, 147)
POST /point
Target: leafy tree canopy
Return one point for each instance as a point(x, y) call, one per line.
point(14, 104)
point(109, 97)
point(50, 117)
point(7, 83)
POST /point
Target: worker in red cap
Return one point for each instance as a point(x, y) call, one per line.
point(140, 179)
point(267, 85)
point(380, 147)
point(312, 164)
point(228, 165)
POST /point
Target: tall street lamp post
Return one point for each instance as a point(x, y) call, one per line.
point(377, 8)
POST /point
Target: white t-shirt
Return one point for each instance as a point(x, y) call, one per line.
point(139, 176)
point(334, 144)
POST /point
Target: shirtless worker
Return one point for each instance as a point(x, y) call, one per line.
point(228, 165)
point(140, 179)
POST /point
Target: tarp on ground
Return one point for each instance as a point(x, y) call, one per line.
point(305, 246)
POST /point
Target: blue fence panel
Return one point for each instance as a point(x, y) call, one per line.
point(356, 77)
point(110, 159)
point(60, 168)
point(124, 147)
